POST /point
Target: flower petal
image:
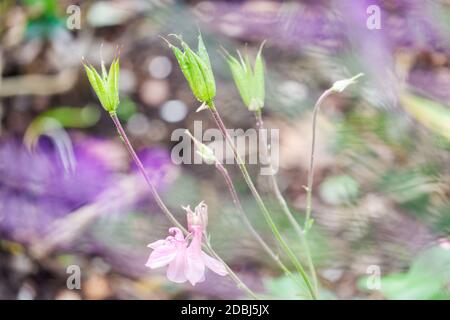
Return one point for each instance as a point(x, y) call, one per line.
point(177, 233)
point(161, 256)
point(214, 265)
point(156, 244)
point(176, 270)
point(195, 267)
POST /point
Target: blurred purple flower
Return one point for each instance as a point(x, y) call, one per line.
point(435, 85)
point(327, 23)
point(157, 162)
point(336, 34)
point(36, 189)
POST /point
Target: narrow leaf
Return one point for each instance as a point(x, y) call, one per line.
point(258, 77)
point(202, 53)
point(240, 79)
point(113, 83)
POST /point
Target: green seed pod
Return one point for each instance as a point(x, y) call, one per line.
point(249, 81)
point(196, 67)
point(106, 86)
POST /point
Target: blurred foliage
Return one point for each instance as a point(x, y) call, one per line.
point(61, 117)
point(381, 192)
point(282, 288)
point(427, 278)
point(339, 190)
point(431, 114)
point(127, 109)
point(45, 18)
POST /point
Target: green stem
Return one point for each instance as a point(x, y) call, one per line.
point(259, 201)
point(229, 182)
point(160, 203)
point(141, 168)
point(247, 222)
point(311, 162)
point(283, 203)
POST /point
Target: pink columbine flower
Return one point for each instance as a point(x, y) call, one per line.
point(186, 260)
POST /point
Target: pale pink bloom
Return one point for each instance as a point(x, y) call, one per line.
point(444, 243)
point(186, 261)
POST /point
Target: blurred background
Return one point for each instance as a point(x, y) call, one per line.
point(69, 194)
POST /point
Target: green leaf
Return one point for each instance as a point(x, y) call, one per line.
point(103, 68)
point(182, 61)
point(240, 78)
point(113, 83)
point(426, 279)
point(339, 190)
point(198, 85)
point(202, 53)
point(92, 79)
point(99, 87)
point(283, 288)
point(199, 76)
point(259, 85)
point(208, 80)
point(431, 114)
point(410, 287)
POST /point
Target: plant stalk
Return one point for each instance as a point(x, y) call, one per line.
point(164, 208)
point(247, 222)
point(316, 109)
point(259, 200)
point(283, 203)
point(141, 168)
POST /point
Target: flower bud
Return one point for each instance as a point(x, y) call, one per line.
point(106, 86)
point(203, 150)
point(196, 67)
point(249, 81)
point(198, 218)
point(341, 85)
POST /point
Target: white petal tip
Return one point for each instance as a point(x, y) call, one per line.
point(202, 107)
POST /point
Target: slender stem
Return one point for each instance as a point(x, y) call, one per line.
point(259, 201)
point(141, 168)
point(241, 285)
point(283, 203)
point(319, 102)
point(164, 208)
point(229, 182)
point(247, 222)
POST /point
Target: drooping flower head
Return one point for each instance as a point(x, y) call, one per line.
point(341, 85)
point(249, 80)
point(196, 67)
point(185, 259)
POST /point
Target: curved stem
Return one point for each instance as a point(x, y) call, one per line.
point(141, 168)
point(319, 102)
point(164, 208)
point(247, 222)
point(260, 202)
point(283, 203)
